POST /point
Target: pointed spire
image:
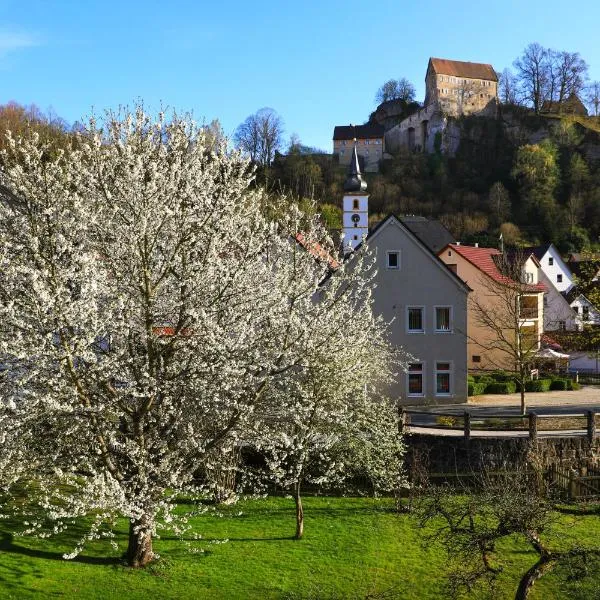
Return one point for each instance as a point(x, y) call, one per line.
point(354, 181)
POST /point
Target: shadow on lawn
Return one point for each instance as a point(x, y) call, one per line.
point(7, 545)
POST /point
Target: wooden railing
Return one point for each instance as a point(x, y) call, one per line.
point(583, 422)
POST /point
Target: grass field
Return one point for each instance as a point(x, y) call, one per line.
point(353, 548)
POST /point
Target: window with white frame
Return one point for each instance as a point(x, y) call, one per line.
point(415, 379)
point(443, 378)
point(393, 259)
point(443, 319)
point(414, 319)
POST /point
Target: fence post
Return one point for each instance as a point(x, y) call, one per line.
point(467, 420)
point(403, 421)
point(591, 425)
point(572, 494)
point(533, 427)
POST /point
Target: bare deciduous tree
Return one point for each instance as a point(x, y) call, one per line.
point(260, 135)
point(533, 76)
point(471, 524)
point(396, 89)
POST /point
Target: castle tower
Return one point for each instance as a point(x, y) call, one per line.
point(355, 217)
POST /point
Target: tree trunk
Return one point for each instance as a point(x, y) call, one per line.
point(299, 512)
point(523, 405)
point(542, 566)
point(139, 550)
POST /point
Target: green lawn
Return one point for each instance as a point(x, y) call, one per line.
point(353, 548)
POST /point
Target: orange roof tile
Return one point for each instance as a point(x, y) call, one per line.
point(459, 68)
point(483, 259)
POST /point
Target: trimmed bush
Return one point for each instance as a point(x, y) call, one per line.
point(538, 385)
point(501, 387)
point(476, 389)
point(574, 385)
point(559, 384)
point(483, 379)
point(502, 376)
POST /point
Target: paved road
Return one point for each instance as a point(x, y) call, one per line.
point(492, 405)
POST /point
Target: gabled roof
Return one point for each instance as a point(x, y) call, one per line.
point(538, 251)
point(349, 132)
point(316, 251)
point(432, 233)
point(486, 260)
point(398, 220)
point(459, 68)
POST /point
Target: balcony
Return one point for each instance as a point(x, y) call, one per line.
point(528, 313)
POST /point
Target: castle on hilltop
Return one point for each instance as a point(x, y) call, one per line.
point(453, 88)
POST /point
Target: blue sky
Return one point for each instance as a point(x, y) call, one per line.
point(318, 63)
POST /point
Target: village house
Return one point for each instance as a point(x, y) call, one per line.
point(369, 141)
point(493, 300)
point(424, 301)
point(558, 279)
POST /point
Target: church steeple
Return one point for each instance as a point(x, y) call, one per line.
point(355, 215)
point(354, 181)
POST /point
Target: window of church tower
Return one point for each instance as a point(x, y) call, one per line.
point(355, 205)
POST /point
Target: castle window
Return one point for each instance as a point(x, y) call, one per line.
point(367, 142)
point(476, 358)
point(343, 142)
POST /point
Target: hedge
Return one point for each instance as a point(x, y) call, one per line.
point(475, 389)
point(538, 385)
point(501, 387)
point(559, 384)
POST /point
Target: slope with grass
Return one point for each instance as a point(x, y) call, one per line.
point(353, 548)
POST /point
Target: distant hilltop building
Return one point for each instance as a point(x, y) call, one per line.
point(370, 144)
point(453, 88)
point(461, 88)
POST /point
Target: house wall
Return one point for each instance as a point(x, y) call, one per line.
point(420, 282)
point(593, 315)
point(480, 353)
point(371, 150)
point(585, 362)
point(557, 270)
point(556, 308)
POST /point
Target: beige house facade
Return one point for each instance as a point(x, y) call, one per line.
point(499, 307)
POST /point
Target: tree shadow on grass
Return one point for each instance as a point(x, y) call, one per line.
point(7, 545)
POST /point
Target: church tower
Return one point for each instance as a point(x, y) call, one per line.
point(355, 207)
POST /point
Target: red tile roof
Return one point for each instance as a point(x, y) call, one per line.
point(317, 251)
point(483, 259)
point(459, 68)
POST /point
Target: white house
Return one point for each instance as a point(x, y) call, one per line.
point(554, 267)
point(585, 312)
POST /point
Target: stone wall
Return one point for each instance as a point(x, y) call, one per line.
point(440, 454)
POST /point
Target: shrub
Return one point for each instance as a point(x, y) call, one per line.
point(483, 379)
point(475, 389)
point(559, 384)
point(502, 376)
point(446, 420)
point(538, 385)
point(574, 385)
point(501, 387)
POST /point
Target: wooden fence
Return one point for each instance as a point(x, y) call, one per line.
point(577, 423)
